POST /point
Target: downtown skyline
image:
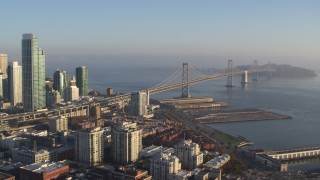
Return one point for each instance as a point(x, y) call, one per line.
point(166, 33)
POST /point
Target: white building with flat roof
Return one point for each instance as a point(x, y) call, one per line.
point(126, 142)
point(29, 157)
point(89, 146)
point(167, 167)
point(15, 83)
point(189, 154)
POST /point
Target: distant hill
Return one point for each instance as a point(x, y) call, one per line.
point(286, 71)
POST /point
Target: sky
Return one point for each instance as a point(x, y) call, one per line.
point(145, 33)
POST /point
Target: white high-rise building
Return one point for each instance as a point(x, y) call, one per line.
point(1, 86)
point(4, 63)
point(138, 104)
point(4, 72)
point(164, 167)
point(15, 81)
point(126, 142)
point(89, 146)
point(72, 92)
point(189, 154)
point(58, 124)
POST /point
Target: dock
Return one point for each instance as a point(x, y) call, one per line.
point(297, 153)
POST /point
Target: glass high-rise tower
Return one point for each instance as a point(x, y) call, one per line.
point(82, 80)
point(60, 81)
point(33, 71)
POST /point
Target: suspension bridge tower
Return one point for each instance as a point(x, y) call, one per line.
point(255, 64)
point(230, 74)
point(185, 81)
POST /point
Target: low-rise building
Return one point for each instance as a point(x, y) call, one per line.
point(42, 171)
point(131, 174)
point(5, 176)
point(217, 162)
point(29, 157)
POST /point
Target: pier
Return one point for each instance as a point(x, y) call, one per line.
point(237, 115)
point(292, 154)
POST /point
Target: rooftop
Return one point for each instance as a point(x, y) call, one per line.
point(183, 173)
point(90, 130)
point(187, 143)
point(43, 167)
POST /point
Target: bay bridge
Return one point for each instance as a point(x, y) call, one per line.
point(183, 78)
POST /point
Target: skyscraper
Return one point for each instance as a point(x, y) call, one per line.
point(72, 92)
point(4, 73)
point(15, 84)
point(89, 146)
point(126, 142)
point(1, 87)
point(82, 80)
point(138, 103)
point(33, 70)
point(60, 81)
point(4, 63)
point(65, 82)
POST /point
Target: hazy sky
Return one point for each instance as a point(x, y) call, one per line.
point(165, 32)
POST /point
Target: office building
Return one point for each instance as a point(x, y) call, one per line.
point(49, 83)
point(72, 92)
point(89, 146)
point(4, 91)
point(4, 63)
point(82, 80)
point(33, 74)
point(53, 98)
point(58, 124)
point(15, 84)
point(189, 154)
point(4, 72)
point(65, 79)
point(59, 81)
point(126, 142)
point(43, 171)
point(164, 167)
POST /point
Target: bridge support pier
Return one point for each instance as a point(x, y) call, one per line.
point(244, 78)
point(255, 63)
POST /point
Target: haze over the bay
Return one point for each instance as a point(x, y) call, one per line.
point(165, 33)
